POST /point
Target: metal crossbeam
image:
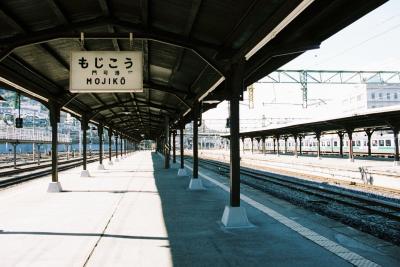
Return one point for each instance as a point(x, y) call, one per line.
point(332, 77)
point(305, 77)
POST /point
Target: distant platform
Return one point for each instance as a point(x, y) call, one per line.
point(135, 213)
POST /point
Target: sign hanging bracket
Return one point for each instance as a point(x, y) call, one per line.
point(131, 41)
point(82, 41)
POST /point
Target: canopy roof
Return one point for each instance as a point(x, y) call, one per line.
point(373, 119)
point(188, 46)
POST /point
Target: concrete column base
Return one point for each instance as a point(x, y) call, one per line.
point(54, 187)
point(175, 165)
point(182, 172)
point(110, 162)
point(116, 160)
point(100, 167)
point(396, 163)
point(85, 173)
point(351, 159)
point(235, 217)
point(319, 158)
point(196, 184)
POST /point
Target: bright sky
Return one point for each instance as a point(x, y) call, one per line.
point(371, 43)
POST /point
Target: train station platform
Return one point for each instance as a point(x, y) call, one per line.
point(136, 213)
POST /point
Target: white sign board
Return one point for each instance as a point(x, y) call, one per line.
point(106, 71)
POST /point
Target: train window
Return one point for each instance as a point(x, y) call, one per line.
point(328, 143)
point(354, 143)
point(374, 142)
point(395, 96)
point(347, 143)
point(323, 143)
point(381, 142)
point(365, 143)
point(380, 95)
point(335, 143)
point(358, 143)
point(373, 96)
point(388, 96)
point(388, 142)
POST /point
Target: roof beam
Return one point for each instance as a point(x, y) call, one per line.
point(105, 9)
point(58, 12)
point(145, 12)
point(189, 25)
point(265, 55)
point(96, 111)
point(162, 36)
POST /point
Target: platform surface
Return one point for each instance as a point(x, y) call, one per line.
point(136, 213)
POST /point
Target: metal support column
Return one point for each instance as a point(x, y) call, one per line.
point(54, 109)
point(100, 133)
point(166, 143)
point(109, 146)
point(242, 144)
point(340, 134)
point(196, 140)
point(396, 146)
point(15, 154)
point(274, 141)
point(318, 136)
point(277, 144)
point(369, 133)
point(84, 127)
point(285, 138)
point(350, 134)
point(300, 144)
point(182, 170)
point(173, 147)
point(234, 215)
point(195, 182)
point(295, 145)
point(121, 144)
point(252, 145)
point(116, 147)
point(263, 145)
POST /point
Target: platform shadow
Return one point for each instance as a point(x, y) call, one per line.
point(192, 220)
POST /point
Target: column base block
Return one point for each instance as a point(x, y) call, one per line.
point(175, 165)
point(85, 173)
point(100, 167)
point(54, 187)
point(351, 159)
point(110, 162)
point(116, 160)
point(235, 217)
point(182, 172)
point(396, 163)
point(196, 184)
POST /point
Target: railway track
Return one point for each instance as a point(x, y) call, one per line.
point(375, 216)
point(16, 176)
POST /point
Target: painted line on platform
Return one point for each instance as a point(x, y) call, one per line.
point(335, 248)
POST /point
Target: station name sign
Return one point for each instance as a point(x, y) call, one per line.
point(106, 71)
